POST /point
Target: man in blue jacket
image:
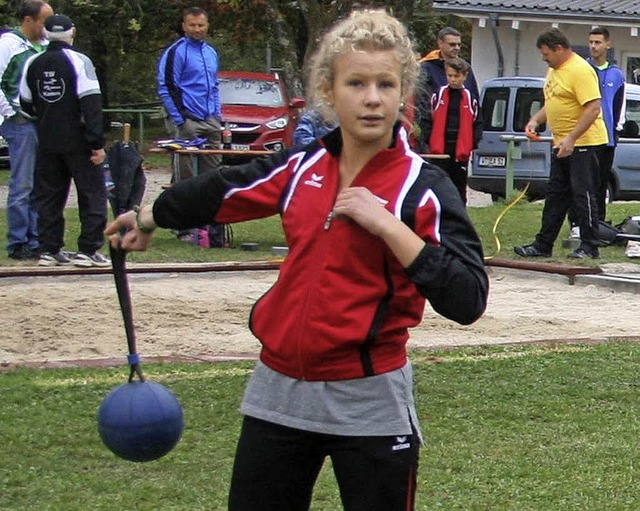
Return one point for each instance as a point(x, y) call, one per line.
point(188, 87)
point(612, 83)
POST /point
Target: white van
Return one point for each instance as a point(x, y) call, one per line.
point(506, 105)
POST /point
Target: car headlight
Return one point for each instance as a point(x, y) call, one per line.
point(278, 123)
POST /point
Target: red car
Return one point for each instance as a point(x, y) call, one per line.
point(258, 110)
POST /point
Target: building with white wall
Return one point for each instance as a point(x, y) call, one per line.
point(505, 32)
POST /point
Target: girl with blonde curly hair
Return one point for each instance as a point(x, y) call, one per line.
point(373, 231)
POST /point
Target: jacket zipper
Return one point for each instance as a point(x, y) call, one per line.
point(327, 222)
point(302, 320)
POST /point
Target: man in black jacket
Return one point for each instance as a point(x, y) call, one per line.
point(61, 89)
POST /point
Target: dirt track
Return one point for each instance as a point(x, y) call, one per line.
point(191, 315)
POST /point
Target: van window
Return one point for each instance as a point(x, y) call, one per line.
point(528, 102)
point(632, 116)
point(633, 110)
point(494, 108)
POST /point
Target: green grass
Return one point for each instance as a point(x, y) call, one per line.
point(518, 226)
point(167, 248)
point(529, 428)
point(5, 173)
point(156, 161)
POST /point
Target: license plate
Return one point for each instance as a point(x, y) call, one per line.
point(3, 142)
point(240, 147)
point(492, 161)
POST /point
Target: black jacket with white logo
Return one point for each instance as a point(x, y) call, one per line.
point(61, 89)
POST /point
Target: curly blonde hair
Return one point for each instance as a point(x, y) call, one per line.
point(362, 30)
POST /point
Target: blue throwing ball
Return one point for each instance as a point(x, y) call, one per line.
point(140, 421)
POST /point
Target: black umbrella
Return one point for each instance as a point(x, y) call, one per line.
point(125, 164)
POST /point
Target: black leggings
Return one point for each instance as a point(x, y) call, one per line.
point(276, 468)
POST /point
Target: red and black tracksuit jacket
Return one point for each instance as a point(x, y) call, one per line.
point(443, 126)
point(342, 304)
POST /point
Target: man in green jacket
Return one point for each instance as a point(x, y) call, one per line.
point(18, 130)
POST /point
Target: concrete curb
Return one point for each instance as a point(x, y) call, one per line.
point(622, 283)
point(621, 277)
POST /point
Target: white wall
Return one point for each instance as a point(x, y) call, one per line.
point(521, 57)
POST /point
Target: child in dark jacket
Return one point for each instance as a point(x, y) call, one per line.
point(453, 125)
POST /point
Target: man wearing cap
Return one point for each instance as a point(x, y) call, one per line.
point(18, 130)
point(61, 89)
point(188, 87)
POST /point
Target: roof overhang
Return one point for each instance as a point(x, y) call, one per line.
point(537, 14)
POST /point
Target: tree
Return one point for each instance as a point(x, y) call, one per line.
point(124, 38)
point(294, 26)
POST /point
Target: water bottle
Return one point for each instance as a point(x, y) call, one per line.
point(226, 136)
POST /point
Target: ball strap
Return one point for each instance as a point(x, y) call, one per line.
point(118, 256)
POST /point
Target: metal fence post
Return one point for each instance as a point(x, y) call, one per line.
point(141, 128)
point(141, 112)
point(509, 174)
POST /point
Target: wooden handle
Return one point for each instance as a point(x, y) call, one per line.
point(127, 132)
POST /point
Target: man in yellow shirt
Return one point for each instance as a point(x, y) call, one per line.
point(572, 109)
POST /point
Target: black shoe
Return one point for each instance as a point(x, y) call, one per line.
point(582, 253)
point(531, 251)
point(23, 253)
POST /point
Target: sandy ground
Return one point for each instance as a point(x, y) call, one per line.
point(206, 314)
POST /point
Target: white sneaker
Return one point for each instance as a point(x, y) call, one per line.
point(49, 259)
point(575, 232)
point(88, 260)
point(633, 249)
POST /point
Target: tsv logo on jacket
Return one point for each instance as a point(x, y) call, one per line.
point(51, 88)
